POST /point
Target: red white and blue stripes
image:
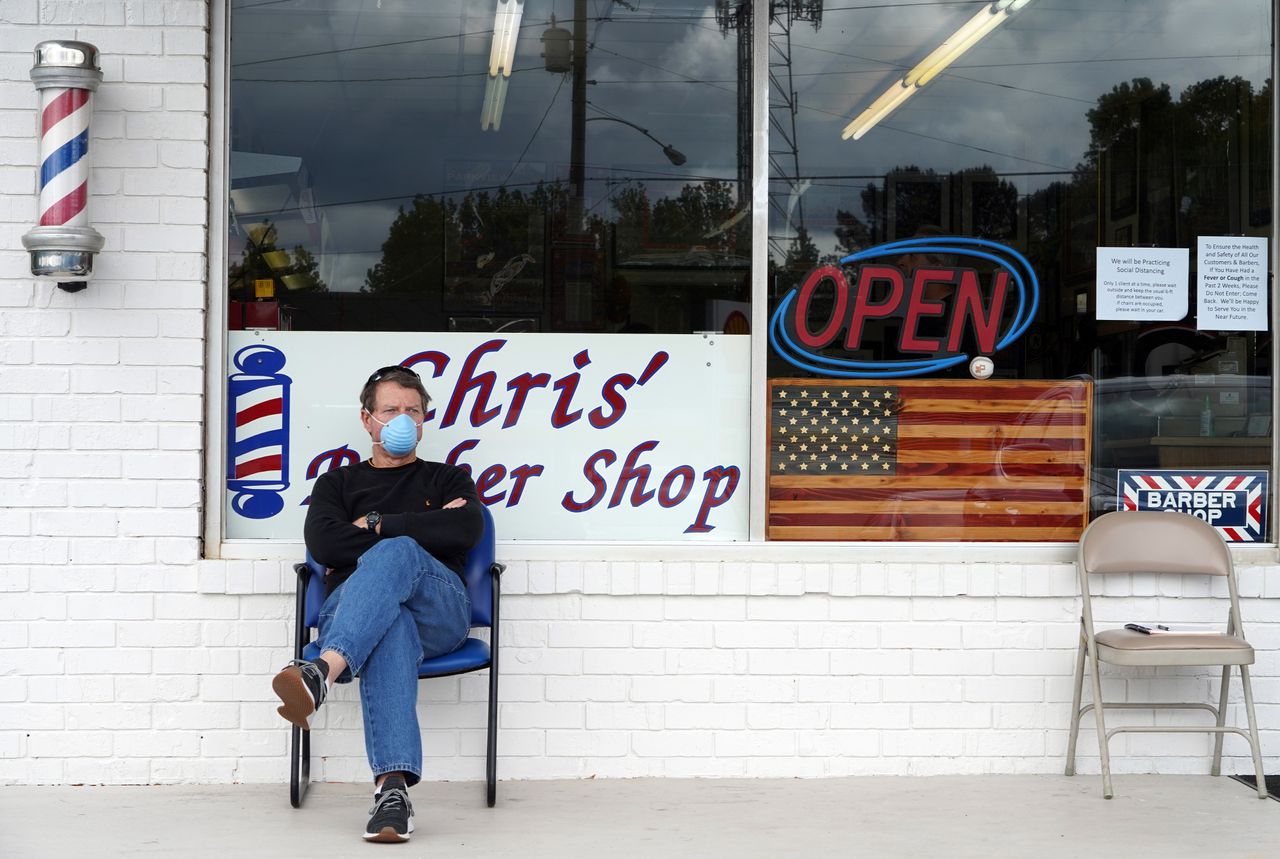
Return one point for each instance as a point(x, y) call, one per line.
point(258, 432)
point(64, 162)
point(1234, 502)
point(62, 244)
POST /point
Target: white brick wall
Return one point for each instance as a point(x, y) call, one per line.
point(126, 659)
point(100, 415)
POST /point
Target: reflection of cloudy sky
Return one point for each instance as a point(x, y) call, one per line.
point(382, 103)
point(377, 125)
point(1018, 100)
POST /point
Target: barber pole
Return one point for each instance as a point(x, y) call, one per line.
point(66, 74)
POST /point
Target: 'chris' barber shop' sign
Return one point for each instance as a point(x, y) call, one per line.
point(567, 436)
point(941, 311)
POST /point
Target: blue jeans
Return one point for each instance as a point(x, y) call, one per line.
point(400, 606)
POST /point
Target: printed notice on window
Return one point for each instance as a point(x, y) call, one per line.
point(1142, 283)
point(1233, 284)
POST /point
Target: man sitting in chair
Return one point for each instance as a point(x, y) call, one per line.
point(393, 533)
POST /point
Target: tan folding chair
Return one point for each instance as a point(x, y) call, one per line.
point(1171, 544)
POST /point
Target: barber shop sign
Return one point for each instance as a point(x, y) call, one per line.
point(567, 436)
point(987, 301)
point(1233, 502)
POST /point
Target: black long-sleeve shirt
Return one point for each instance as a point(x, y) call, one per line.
point(411, 499)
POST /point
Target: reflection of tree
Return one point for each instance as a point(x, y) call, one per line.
point(482, 229)
point(413, 253)
point(802, 254)
point(1177, 157)
point(298, 271)
point(852, 234)
point(992, 204)
point(703, 214)
point(1118, 114)
point(435, 242)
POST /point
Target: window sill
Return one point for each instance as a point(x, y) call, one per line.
point(747, 552)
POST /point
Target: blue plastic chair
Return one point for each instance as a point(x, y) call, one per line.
point(483, 575)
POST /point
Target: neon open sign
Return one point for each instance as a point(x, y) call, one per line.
point(879, 290)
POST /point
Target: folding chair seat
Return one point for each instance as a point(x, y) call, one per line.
point(483, 579)
point(1163, 543)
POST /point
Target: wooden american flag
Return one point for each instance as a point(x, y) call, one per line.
point(928, 459)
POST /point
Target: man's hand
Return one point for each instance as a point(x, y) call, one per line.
point(455, 503)
point(364, 526)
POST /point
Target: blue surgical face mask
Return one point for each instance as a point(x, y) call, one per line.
point(399, 435)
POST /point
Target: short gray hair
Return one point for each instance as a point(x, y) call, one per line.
point(402, 376)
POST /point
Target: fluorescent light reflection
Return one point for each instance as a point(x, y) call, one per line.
point(502, 55)
point(880, 108)
point(952, 48)
point(495, 97)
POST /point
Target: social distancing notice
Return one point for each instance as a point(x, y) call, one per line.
point(1234, 502)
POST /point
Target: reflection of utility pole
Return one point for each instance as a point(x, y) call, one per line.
point(577, 145)
point(784, 150)
point(784, 146)
point(737, 16)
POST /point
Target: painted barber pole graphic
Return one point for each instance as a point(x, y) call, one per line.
point(63, 243)
point(258, 432)
point(1233, 502)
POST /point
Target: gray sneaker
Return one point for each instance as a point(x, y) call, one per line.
point(302, 686)
point(391, 818)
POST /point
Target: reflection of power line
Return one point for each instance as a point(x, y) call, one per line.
point(545, 114)
point(887, 66)
point(1004, 174)
point(842, 73)
point(673, 19)
point(682, 77)
point(334, 51)
point(635, 174)
point(243, 6)
point(452, 75)
point(1056, 167)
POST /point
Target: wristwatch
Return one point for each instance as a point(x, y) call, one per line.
point(371, 521)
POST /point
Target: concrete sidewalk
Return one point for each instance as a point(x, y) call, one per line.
point(951, 816)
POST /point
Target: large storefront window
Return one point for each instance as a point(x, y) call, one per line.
point(495, 193)
point(1117, 156)
point(384, 178)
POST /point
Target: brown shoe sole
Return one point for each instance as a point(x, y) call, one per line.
point(388, 835)
point(298, 706)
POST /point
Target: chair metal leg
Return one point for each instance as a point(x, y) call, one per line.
point(1107, 792)
point(299, 766)
point(1075, 709)
point(300, 740)
point(1254, 744)
point(1222, 721)
point(490, 764)
point(491, 751)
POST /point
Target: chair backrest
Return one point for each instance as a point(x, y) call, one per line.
point(1149, 541)
point(477, 573)
point(1152, 541)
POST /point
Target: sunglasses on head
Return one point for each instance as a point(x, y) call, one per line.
point(379, 375)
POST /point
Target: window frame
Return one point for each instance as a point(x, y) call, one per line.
point(756, 547)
